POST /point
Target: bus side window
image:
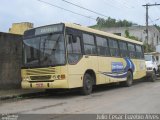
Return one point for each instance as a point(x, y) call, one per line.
point(114, 50)
point(132, 51)
point(102, 46)
point(139, 52)
point(89, 44)
point(123, 49)
point(74, 49)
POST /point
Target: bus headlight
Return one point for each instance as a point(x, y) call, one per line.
point(26, 78)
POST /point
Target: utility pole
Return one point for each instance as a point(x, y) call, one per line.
point(147, 5)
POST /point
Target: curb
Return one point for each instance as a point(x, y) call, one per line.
point(23, 95)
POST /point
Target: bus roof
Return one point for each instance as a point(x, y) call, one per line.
point(83, 28)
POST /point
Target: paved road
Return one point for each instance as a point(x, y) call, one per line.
point(142, 97)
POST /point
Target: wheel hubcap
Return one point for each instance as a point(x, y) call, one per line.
point(88, 84)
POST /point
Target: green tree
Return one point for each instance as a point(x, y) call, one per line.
point(148, 48)
point(110, 22)
point(130, 37)
point(158, 27)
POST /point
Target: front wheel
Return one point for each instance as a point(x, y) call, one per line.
point(87, 84)
point(129, 80)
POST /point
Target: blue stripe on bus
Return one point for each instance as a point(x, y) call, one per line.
point(123, 74)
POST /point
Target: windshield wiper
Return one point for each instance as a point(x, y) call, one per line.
point(44, 44)
point(43, 50)
point(54, 48)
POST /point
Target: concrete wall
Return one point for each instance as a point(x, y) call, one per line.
point(20, 28)
point(10, 60)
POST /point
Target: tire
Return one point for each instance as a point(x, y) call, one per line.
point(87, 84)
point(153, 77)
point(129, 80)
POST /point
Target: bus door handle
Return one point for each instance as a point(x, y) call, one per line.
point(86, 56)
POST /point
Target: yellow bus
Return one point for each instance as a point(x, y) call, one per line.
point(65, 56)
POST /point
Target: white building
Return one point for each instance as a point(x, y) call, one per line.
point(139, 32)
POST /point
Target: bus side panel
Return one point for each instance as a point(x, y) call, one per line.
point(135, 72)
point(106, 69)
point(76, 72)
point(114, 62)
point(103, 65)
point(140, 70)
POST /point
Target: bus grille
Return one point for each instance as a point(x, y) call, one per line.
point(47, 77)
point(40, 71)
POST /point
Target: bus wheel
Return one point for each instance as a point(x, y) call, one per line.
point(87, 84)
point(129, 80)
point(153, 77)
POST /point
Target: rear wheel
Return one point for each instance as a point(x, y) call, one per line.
point(87, 84)
point(129, 80)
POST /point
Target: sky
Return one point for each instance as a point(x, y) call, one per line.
point(15, 11)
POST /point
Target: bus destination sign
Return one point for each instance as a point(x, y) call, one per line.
point(49, 29)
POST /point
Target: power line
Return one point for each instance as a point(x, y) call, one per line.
point(155, 20)
point(65, 9)
point(150, 19)
point(84, 8)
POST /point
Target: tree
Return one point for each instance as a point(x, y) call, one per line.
point(127, 33)
point(130, 37)
point(148, 48)
point(110, 22)
point(158, 27)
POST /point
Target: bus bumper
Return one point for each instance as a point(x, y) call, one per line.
point(45, 85)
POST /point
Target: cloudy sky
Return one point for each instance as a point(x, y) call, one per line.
point(14, 11)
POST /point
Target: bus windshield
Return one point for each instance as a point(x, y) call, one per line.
point(47, 50)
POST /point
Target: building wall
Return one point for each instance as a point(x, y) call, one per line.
point(20, 28)
point(10, 60)
point(138, 31)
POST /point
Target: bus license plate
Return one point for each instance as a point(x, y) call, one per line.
point(40, 85)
